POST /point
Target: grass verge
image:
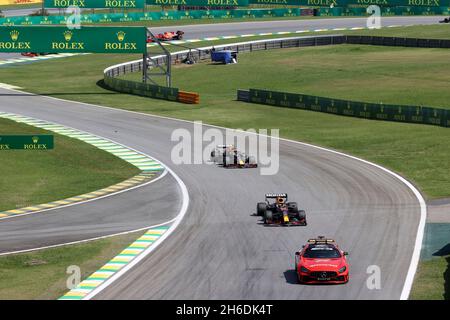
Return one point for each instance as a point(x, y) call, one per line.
point(42, 274)
point(432, 280)
point(71, 168)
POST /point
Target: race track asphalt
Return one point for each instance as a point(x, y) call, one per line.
point(142, 207)
point(243, 28)
point(220, 250)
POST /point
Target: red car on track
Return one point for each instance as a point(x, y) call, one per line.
point(321, 261)
point(168, 36)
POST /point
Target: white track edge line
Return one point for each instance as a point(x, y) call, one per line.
point(176, 221)
point(88, 200)
point(86, 240)
point(146, 252)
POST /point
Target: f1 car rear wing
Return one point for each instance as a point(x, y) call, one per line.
point(276, 195)
point(321, 240)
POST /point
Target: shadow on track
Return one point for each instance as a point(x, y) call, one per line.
point(445, 251)
point(290, 276)
point(447, 281)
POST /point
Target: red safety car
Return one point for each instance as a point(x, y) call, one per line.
point(321, 261)
point(168, 36)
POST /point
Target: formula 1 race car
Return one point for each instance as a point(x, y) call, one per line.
point(280, 212)
point(229, 157)
point(168, 36)
point(446, 20)
point(35, 54)
point(321, 261)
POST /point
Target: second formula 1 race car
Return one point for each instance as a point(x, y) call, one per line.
point(446, 20)
point(35, 54)
point(229, 157)
point(277, 211)
point(168, 36)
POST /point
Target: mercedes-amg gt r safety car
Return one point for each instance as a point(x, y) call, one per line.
point(321, 261)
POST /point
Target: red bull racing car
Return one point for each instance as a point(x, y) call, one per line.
point(229, 157)
point(321, 261)
point(168, 36)
point(278, 211)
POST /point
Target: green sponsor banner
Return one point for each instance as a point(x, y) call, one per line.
point(410, 114)
point(214, 14)
point(150, 16)
point(26, 142)
point(142, 89)
point(62, 39)
point(343, 3)
point(200, 3)
point(385, 11)
point(94, 3)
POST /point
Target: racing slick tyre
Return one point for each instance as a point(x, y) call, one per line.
point(267, 216)
point(261, 209)
point(229, 161)
point(302, 215)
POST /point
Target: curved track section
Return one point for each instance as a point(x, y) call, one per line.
point(220, 250)
point(242, 28)
point(140, 208)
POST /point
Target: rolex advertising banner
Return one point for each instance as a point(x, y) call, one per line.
point(150, 16)
point(26, 142)
point(343, 3)
point(200, 3)
point(61, 39)
point(212, 14)
point(411, 114)
point(95, 3)
point(385, 11)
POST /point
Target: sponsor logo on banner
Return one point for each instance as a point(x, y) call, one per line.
point(120, 45)
point(68, 44)
point(15, 43)
point(94, 3)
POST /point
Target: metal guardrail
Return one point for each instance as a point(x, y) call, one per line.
point(204, 52)
point(280, 43)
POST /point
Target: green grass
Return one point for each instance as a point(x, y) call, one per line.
point(42, 274)
point(71, 168)
point(432, 280)
point(361, 73)
point(400, 75)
